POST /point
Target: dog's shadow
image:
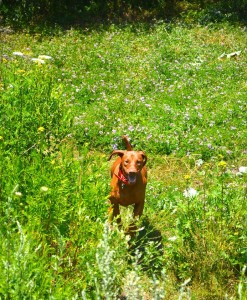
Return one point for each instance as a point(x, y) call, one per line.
point(146, 248)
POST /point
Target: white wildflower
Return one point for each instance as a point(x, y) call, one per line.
point(199, 162)
point(17, 53)
point(38, 60)
point(44, 189)
point(242, 170)
point(18, 194)
point(172, 238)
point(44, 57)
point(190, 193)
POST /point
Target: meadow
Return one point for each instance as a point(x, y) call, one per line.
point(67, 96)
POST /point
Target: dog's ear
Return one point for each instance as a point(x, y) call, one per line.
point(144, 156)
point(117, 152)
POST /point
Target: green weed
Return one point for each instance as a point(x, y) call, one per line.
point(66, 100)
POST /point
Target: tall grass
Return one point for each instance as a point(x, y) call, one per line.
point(170, 89)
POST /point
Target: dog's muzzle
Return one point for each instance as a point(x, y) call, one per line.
point(132, 176)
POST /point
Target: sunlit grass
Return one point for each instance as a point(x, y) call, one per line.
point(66, 100)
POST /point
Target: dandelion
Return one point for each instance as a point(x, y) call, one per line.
point(187, 177)
point(41, 129)
point(190, 193)
point(222, 164)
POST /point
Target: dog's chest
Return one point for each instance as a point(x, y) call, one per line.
point(124, 195)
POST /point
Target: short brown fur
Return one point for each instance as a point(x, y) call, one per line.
point(132, 165)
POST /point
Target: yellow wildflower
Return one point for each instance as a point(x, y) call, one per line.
point(187, 177)
point(222, 164)
point(41, 129)
point(20, 71)
point(1, 138)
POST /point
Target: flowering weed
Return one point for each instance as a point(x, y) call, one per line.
point(66, 99)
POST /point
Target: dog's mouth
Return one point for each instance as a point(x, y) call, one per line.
point(132, 178)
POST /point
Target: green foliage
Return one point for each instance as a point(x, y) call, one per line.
point(33, 14)
point(66, 100)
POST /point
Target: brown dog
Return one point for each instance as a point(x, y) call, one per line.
point(129, 179)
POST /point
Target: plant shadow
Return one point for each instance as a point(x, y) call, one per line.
point(147, 249)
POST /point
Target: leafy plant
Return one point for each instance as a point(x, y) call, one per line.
point(66, 100)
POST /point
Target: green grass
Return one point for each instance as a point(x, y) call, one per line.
point(166, 88)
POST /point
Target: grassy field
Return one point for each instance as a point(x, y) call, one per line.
point(67, 97)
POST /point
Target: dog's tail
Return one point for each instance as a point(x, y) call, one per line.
point(127, 143)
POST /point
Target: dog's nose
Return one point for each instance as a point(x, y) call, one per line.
point(132, 173)
point(132, 177)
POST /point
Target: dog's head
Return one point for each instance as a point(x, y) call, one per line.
point(131, 164)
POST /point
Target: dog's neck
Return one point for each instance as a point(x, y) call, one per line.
point(121, 177)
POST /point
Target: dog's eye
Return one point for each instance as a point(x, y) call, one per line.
point(138, 162)
point(126, 161)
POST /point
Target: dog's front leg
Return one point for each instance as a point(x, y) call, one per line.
point(138, 209)
point(114, 213)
